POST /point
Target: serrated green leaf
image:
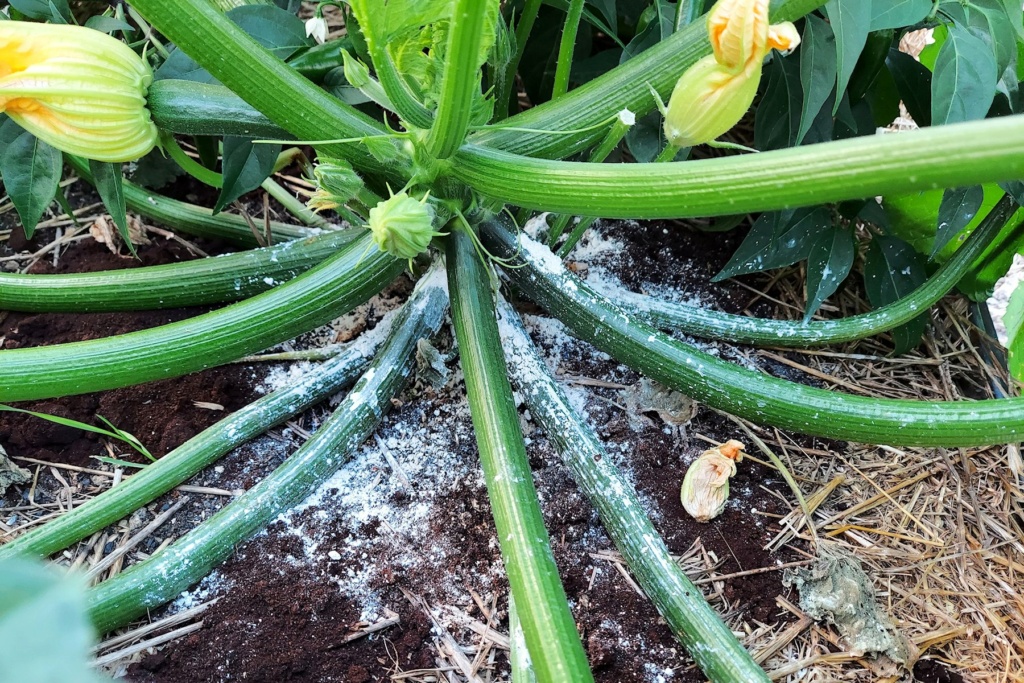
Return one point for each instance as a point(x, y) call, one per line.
point(958, 208)
point(851, 23)
point(914, 84)
point(828, 264)
point(898, 13)
point(31, 171)
point(892, 270)
point(777, 239)
point(109, 185)
point(245, 166)
point(817, 70)
point(964, 81)
point(1014, 321)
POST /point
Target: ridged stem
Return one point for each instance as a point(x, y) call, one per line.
point(523, 29)
point(748, 394)
point(178, 566)
point(201, 282)
point(566, 48)
point(708, 640)
point(191, 457)
point(317, 296)
point(461, 83)
point(551, 636)
point(946, 156)
point(741, 329)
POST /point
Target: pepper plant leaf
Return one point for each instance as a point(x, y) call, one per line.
point(1014, 321)
point(898, 13)
point(851, 23)
point(110, 186)
point(245, 167)
point(31, 171)
point(817, 70)
point(892, 270)
point(828, 264)
point(965, 77)
point(958, 208)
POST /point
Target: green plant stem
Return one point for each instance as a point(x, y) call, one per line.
point(261, 79)
point(202, 282)
point(191, 457)
point(687, 12)
point(523, 30)
point(190, 165)
point(292, 204)
point(709, 641)
point(566, 48)
point(410, 109)
point(344, 281)
point(751, 395)
point(574, 236)
point(551, 635)
point(945, 156)
point(191, 219)
point(625, 87)
point(461, 82)
point(175, 568)
point(521, 669)
point(710, 324)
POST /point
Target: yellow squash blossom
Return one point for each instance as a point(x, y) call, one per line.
point(77, 89)
point(714, 94)
point(705, 488)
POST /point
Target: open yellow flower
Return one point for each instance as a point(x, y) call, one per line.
point(77, 89)
point(714, 94)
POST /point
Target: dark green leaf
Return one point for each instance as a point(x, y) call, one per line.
point(914, 84)
point(990, 18)
point(777, 239)
point(851, 23)
point(108, 24)
point(245, 167)
point(898, 13)
point(892, 270)
point(155, 170)
point(964, 82)
point(290, 6)
point(778, 116)
point(1014, 321)
point(884, 99)
point(828, 264)
point(31, 171)
point(643, 139)
point(108, 181)
point(607, 10)
point(817, 70)
point(659, 27)
point(52, 10)
point(1014, 188)
point(958, 208)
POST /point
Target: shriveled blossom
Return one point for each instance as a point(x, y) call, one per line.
point(705, 488)
point(77, 89)
point(714, 94)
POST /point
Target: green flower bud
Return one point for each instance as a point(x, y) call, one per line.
point(403, 226)
point(336, 184)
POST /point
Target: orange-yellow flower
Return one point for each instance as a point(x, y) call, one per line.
point(705, 488)
point(714, 94)
point(77, 89)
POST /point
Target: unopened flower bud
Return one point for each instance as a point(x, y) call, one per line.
point(356, 73)
point(403, 226)
point(706, 483)
point(77, 89)
point(713, 95)
point(336, 184)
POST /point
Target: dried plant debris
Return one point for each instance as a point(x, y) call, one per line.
point(647, 396)
point(11, 473)
point(430, 365)
point(836, 588)
point(705, 489)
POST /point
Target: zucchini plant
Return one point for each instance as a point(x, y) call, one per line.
point(421, 147)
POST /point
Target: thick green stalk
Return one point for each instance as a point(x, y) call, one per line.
point(946, 156)
point(175, 568)
point(752, 395)
point(410, 109)
point(261, 79)
point(521, 669)
point(551, 635)
point(201, 282)
point(625, 87)
point(566, 48)
point(317, 296)
point(194, 220)
point(709, 641)
point(523, 29)
point(195, 454)
point(461, 82)
point(292, 204)
point(711, 324)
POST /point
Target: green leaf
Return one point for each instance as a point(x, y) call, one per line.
point(1014, 188)
point(828, 263)
point(898, 13)
point(108, 181)
point(914, 84)
point(958, 208)
point(50, 10)
point(607, 10)
point(964, 82)
point(1014, 321)
point(44, 625)
point(892, 270)
point(113, 432)
point(851, 23)
point(991, 19)
point(817, 70)
point(245, 167)
point(778, 116)
point(108, 24)
point(31, 171)
point(777, 239)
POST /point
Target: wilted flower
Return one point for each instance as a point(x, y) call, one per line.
point(336, 184)
point(77, 89)
point(706, 484)
point(714, 94)
point(403, 226)
point(317, 28)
